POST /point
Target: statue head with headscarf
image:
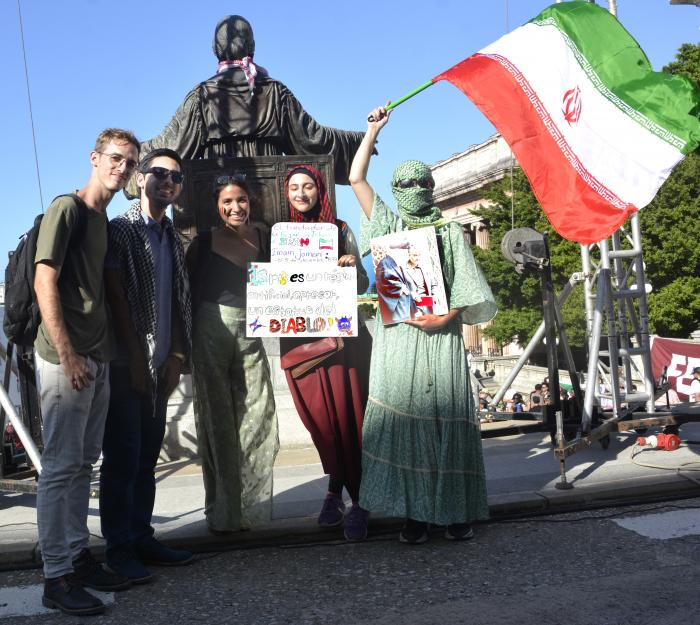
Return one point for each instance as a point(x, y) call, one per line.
point(233, 39)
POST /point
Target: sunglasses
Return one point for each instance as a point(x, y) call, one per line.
point(230, 179)
point(162, 173)
point(426, 183)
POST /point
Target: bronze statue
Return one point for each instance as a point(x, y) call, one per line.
point(242, 111)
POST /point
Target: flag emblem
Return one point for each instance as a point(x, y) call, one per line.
point(572, 106)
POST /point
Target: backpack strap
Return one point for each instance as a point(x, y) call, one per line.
point(78, 234)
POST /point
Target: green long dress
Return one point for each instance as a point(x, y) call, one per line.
point(422, 456)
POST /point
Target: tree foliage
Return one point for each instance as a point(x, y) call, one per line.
point(687, 62)
point(671, 233)
point(674, 308)
point(670, 237)
point(518, 296)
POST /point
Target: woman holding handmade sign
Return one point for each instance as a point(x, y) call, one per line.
point(422, 457)
point(329, 383)
point(234, 405)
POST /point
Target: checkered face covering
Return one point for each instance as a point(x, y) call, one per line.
point(414, 204)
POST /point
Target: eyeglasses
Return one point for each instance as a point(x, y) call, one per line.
point(230, 179)
point(162, 173)
point(427, 183)
point(118, 159)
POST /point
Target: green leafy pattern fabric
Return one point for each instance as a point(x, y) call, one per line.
point(422, 456)
point(235, 418)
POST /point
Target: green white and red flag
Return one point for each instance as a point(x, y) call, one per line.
point(596, 131)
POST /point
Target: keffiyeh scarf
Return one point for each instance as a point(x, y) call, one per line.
point(129, 242)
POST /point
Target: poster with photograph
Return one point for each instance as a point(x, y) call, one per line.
point(298, 299)
point(304, 242)
point(408, 275)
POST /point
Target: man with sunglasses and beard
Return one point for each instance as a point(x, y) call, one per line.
point(72, 352)
point(149, 296)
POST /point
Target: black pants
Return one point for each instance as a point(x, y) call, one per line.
point(133, 438)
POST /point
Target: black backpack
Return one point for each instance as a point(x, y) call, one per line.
point(22, 319)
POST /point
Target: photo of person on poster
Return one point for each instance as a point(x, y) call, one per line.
point(393, 290)
point(408, 277)
point(422, 283)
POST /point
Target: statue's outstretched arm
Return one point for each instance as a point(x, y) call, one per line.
point(307, 136)
point(184, 133)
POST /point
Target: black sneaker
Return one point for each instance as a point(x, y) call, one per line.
point(89, 573)
point(61, 594)
point(150, 551)
point(459, 531)
point(413, 532)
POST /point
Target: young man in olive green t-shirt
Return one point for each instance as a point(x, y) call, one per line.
point(73, 349)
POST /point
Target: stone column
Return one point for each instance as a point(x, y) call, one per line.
point(472, 337)
point(489, 345)
point(482, 235)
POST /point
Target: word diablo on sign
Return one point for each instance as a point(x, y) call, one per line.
point(301, 299)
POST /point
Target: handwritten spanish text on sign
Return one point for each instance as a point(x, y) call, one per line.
point(304, 242)
point(300, 299)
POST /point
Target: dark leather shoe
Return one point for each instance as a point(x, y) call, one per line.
point(459, 531)
point(123, 562)
point(87, 572)
point(413, 532)
point(150, 551)
point(61, 594)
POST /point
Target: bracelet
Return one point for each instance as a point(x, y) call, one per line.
point(179, 355)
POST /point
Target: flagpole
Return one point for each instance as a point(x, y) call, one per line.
point(401, 100)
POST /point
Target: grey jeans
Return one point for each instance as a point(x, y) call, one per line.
point(74, 423)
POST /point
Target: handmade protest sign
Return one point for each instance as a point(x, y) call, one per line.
point(304, 242)
point(302, 292)
point(301, 299)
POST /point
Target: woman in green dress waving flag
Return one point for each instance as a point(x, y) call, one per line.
point(422, 457)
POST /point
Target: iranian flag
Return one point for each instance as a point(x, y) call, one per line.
point(595, 130)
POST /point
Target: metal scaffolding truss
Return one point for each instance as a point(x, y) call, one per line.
point(616, 308)
point(619, 390)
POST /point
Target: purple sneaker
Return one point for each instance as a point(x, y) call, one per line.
point(332, 512)
point(356, 523)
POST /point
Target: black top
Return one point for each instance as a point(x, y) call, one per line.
point(220, 280)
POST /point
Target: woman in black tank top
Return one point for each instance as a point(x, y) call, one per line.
point(234, 405)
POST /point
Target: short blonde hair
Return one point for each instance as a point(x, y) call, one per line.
point(115, 134)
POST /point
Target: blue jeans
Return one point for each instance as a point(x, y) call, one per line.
point(73, 425)
point(132, 441)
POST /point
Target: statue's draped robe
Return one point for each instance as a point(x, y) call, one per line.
point(220, 118)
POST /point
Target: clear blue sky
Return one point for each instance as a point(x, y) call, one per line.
point(99, 63)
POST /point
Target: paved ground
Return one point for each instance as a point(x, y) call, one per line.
point(634, 565)
point(521, 476)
